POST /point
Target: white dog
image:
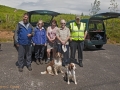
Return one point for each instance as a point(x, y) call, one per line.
point(55, 65)
point(70, 73)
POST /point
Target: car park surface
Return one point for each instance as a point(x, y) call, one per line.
point(101, 71)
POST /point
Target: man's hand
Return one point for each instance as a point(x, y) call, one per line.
point(17, 45)
point(33, 44)
point(29, 35)
point(51, 40)
point(63, 42)
point(45, 44)
point(70, 39)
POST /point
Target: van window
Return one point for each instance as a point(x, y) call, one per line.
point(35, 17)
point(96, 25)
point(99, 26)
point(92, 26)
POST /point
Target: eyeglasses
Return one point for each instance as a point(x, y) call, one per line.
point(63, 23)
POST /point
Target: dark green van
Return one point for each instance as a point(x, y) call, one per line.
point(96, 28)
point(46, 15)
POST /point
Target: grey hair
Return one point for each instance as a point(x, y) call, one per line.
point(62, 20)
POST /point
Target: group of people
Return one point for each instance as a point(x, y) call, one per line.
point(56, 39)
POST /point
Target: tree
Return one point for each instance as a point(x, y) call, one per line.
point(113, 6)
point(82, 14)
point(95, 7)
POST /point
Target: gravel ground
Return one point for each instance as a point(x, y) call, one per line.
point(101, 71)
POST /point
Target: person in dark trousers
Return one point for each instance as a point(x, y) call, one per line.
point(23, 37)
point(63, 36)
point(78, 34)
point(39, 41)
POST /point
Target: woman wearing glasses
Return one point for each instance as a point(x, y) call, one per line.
point(63, 36)
point(39, 41)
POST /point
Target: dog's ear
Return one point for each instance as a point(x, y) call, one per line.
point(70, 67)
point(61, 55)
point(56, 55)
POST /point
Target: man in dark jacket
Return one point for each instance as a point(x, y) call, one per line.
point(23, 36)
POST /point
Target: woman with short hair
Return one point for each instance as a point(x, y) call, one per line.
point(51, 42)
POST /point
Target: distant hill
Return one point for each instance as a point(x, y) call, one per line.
point(6, 9)
point(9, 16)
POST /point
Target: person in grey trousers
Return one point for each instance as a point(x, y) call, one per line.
point(23, 36)
point(78, 35)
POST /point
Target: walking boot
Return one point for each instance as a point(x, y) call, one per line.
point(47, 61)
point(41, 61)
point(29, 68)
point(80, 64)
point(20, 69)
point(37, 62)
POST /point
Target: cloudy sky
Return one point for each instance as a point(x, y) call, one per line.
point(62, 6)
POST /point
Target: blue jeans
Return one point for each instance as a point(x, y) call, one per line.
point(65, 54)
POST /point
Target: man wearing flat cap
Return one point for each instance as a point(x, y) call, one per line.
point(78, 35)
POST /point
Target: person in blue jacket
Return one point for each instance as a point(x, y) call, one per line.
point(39, 41)
point(23, 37)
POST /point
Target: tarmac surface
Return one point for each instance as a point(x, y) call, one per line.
point(101, 71)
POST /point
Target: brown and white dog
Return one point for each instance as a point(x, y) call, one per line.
point(70, 73)
point(55, 65)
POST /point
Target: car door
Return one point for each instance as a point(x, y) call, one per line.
point(97, 21)
point(105, 16)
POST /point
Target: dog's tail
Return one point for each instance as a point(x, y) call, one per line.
point(45, 72)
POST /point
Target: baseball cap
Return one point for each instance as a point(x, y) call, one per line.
point(77, 16)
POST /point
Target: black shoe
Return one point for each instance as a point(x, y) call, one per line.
point(29, 68)
point(37, 62)
point(47, 61)
point(80, 64)
point(63, 64)
point(41, 61)
point(20, 69)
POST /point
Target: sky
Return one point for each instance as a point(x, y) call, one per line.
point(61, 6)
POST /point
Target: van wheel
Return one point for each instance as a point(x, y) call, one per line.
point(98, 46)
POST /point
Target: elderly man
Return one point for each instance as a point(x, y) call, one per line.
point(78, 34)
point(23, 36)
point(63, 36)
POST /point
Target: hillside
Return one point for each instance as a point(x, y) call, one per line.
point(6, 9)
point(9, 17)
